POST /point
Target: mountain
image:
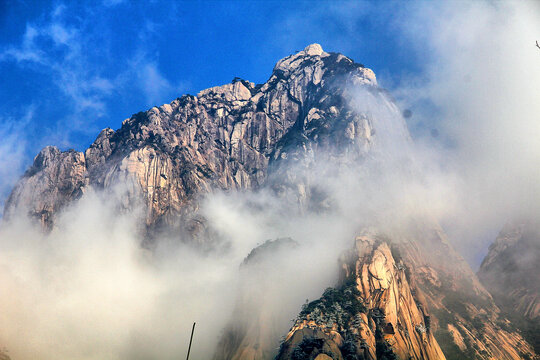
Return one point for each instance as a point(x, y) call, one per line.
point(419, 298)
point(403, 291)
point(510, 272)
point(374, 313)
point(226, 137)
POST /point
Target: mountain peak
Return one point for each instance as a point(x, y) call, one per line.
point(295, 60)
point(314, 50)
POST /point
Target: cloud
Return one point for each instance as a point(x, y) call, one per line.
point(152, 83)
point(57, 49)
point(144, 67)
point(481, 76)
point(79, 79)
point(89, 281)
point(472, 92)
point(12, 152)
point(75, 53)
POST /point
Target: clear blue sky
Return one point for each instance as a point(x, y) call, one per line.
point(69, 69)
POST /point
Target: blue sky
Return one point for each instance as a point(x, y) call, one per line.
point(70, 69)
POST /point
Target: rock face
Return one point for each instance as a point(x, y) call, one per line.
point(463, 316)
point(507, 268)
point(55, 179)
point(509, 271)
point(226, 137)
point(393, 302)
point(4, 356)
point(407, 296)
point(372, 314)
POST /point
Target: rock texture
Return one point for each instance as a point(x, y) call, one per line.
point(463, 316)
point(54, 180)
point(372, 314)
point(226, 137)
point(510, 272)
point(395, 302)
point(412, 279)
point(4, 356)
point(507, 268)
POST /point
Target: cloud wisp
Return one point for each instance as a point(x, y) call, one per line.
point(473, 93)
point(75, 53)
point(58, 48)
point(12, 152)
point(89, 290)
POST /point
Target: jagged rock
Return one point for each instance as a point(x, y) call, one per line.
point(372, 314)
point(422, 300)
point(426, 294)
point(54, 180)
point(223, 138)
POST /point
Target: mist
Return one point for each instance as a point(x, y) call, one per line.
point(475, 108)
point(88, 290)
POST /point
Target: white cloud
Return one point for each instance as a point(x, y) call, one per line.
point(474, 95)
point(89, 281)
point(152, 83)
point(57, 49)
point(64, 48)
point(12, 152)
point(92, 283)
point(111, 3)
point(482, 73)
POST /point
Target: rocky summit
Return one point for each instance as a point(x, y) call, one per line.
point(402, 294)
point(226, 137)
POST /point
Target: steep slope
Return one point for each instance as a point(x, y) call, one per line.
point(510, 273)
point(255, 328)
point(54, 179)
point(371, 315)
point(394, 303)
point(464, 318)
point(223, 138)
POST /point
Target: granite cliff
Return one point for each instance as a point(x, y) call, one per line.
point(402, 295)
point(226, 137)
point(372, 314)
